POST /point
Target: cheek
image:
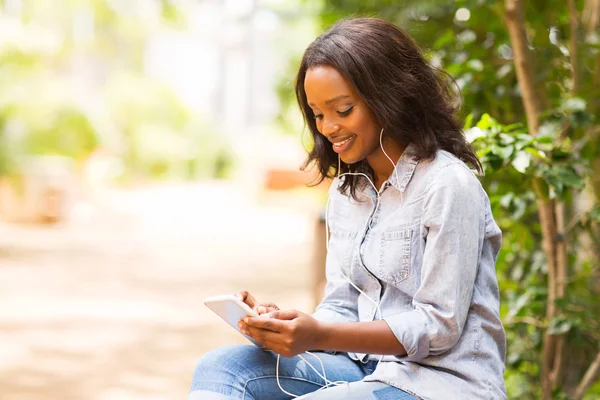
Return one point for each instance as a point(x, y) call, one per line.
point(362, 122)
point(366, 129)
point(319, 126)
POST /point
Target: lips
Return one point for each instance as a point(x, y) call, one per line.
point(343, 144)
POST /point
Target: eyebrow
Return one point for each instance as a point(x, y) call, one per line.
point(343, 96)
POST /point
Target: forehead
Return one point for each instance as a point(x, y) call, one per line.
point(322, 83)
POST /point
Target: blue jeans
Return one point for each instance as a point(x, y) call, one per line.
point(247, 372)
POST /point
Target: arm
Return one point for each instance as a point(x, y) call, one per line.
point(292, 332)
point(372, 337)
point(454, 219)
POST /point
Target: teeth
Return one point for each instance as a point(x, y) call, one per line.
point(338, 144)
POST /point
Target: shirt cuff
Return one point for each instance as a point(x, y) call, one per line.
point(326, 314)
point(410, 328)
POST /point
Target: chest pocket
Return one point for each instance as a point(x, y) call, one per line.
point(394, 255)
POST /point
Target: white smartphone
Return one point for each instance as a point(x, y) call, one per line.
point(231, 310)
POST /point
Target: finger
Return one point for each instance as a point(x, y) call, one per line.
point(246, 297)
point(283, 314)
point(277, 342)
point(263, 336)
point(266, 308)
point(269, 324)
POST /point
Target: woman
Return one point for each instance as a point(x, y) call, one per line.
point(411, 309)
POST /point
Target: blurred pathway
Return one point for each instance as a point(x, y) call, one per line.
point(111, 309)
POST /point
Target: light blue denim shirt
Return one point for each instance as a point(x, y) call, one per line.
point(428, 258)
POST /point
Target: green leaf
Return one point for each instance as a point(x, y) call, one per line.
point(485, 122)
point(506, 200)
point(467, 36)
point(518, 305)
point(503, 152)
point(537, 153)
point(521, 161)
point(559, 326)
point(574, 104)
point(444, 39)
point(475, 65)
point(474, 134)
point(564, 176)
point(513, 358)
point(506, 138)
point(469, 121)
point(503, 71)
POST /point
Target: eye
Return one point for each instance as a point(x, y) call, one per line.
point(318, 116)
point(346, 112)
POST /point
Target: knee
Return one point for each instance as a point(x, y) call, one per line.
point(225, 365)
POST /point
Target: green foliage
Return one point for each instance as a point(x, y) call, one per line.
point(36, 115)
point(82, 85)
point(558, 166)
point(515, 163)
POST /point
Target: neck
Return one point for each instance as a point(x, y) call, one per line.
point(381, 165)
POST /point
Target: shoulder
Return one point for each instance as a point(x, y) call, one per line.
point(446, 170)
point(449, 182)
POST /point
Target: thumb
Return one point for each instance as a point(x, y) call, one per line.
point(266, 308)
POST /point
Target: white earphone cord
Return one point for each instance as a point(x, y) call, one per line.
point(323, 376)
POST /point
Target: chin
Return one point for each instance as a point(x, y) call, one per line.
point(350, 158)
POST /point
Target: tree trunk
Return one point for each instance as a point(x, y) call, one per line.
point(532, 98)
point(532, 101)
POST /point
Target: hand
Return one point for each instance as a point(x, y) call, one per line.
point(260, 308)
point(287, 332)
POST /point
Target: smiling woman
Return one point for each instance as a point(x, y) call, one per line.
point(411, 309)
point(378, 70)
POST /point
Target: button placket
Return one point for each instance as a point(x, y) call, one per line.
point(362, 242)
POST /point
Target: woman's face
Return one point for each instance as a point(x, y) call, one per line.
point(341, 115)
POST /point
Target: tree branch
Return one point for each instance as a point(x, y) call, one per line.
point(526, 320)
point(590, 18)
point(591, 13)
point(573, 42)
point(532, 99)
point(561, 285)
point(546, 214)
point(588, 378)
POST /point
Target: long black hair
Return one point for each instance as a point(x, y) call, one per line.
point(413, 101)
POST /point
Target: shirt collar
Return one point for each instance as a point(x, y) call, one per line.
point(405, 168)
point(399, 179)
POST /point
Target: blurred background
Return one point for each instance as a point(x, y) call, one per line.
point(150, 154)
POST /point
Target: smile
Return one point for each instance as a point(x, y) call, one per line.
point(343, 145)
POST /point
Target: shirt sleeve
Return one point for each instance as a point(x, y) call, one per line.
point(453, 220)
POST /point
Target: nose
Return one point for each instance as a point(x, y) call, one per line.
point(329, 128)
